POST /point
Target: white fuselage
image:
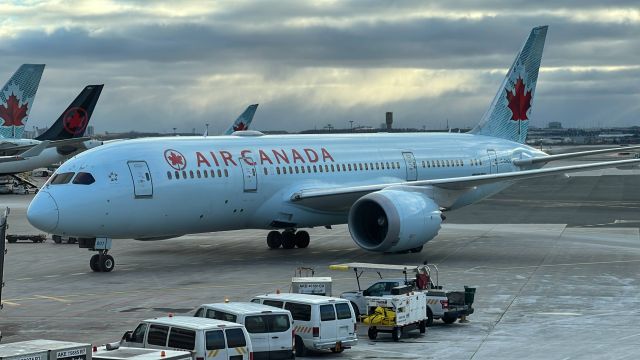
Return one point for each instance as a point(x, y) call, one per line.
point(160, 187)
point(47, 157)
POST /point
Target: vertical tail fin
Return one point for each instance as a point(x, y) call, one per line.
point(74, 120)
point(16, 99)
point(508, 115)
point(243, 121)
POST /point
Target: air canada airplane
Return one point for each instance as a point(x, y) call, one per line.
point(16, 100)
point(390, 188)
point(64, 138)
point(243, 121)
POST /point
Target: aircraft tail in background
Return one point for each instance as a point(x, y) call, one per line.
point(74, 120)
point(243, 121)
point(16, 99)
point(508, 115)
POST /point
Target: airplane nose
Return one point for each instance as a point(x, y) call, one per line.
point(43, 212)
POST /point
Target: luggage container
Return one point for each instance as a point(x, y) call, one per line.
point(54, 350)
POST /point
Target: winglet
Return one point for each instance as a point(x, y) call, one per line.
point(243, 121)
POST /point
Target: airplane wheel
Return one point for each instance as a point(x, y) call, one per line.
point(107, 263)
point(288, 240)
point(416, 249)
point(274, 239)
point(302, 239)
point(93, 263)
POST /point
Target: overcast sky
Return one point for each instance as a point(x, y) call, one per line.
point(185, 63)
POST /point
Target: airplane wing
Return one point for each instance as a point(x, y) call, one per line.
point(332, 198)
point(16, 149)
point(33, 151)
point(549, 158)
point(243, 121)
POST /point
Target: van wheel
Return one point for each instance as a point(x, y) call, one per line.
point(299, 346)
point(397, 333)
point(373, 333)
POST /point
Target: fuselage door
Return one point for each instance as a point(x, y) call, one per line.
point(250, 176)
point(493, 161)
point(412, 168)
point(142, 184)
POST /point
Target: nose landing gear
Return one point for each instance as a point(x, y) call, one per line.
point(288, 239)
point(100, 262)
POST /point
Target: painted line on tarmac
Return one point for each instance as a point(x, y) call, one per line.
point(554, 265)
point(11, 303)
point(53, 298)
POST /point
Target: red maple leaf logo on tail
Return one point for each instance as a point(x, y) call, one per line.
point(13, 113)
point(519, 102)
point(75, 120)
point(241, 126)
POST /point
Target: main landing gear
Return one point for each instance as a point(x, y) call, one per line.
point(288, 239)
point(100, 262)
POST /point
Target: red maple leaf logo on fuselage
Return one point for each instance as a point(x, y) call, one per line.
point(519, 103)
point(13, 113)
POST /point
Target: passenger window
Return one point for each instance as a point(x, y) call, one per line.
point(278, 323)
point(343, 311)
point(273, 303)
point(255, 324)
point(182, 339)
point(299, 311)
point(62, 178)
point(215, 340)
point(169, 175)
point(157, 335)
point(235, 338)
point(138, 334)
point(177, 175)
point(327, 313)
point(85, 178)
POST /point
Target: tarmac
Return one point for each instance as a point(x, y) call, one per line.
point(556, 264)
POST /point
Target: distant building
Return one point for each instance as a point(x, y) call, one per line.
point(389, 120)
point(90, 130)
point(555, 125)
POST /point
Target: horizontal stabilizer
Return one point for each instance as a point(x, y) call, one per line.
point(546, 159)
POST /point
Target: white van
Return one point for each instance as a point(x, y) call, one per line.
point(270, 330)
point(207, 339)
point(320, 322)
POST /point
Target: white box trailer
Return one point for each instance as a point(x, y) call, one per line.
point(54, 350)
point(396, 314)
point(17, 351)
point(127, 353)
point(311, 285)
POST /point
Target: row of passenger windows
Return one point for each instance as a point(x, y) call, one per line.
point(334, 168)
point(449, 163)
point(198, 174)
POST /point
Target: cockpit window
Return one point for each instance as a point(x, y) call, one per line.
point(62, 178)
point(84, 178)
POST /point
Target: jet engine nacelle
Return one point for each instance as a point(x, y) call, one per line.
point(394, 220)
